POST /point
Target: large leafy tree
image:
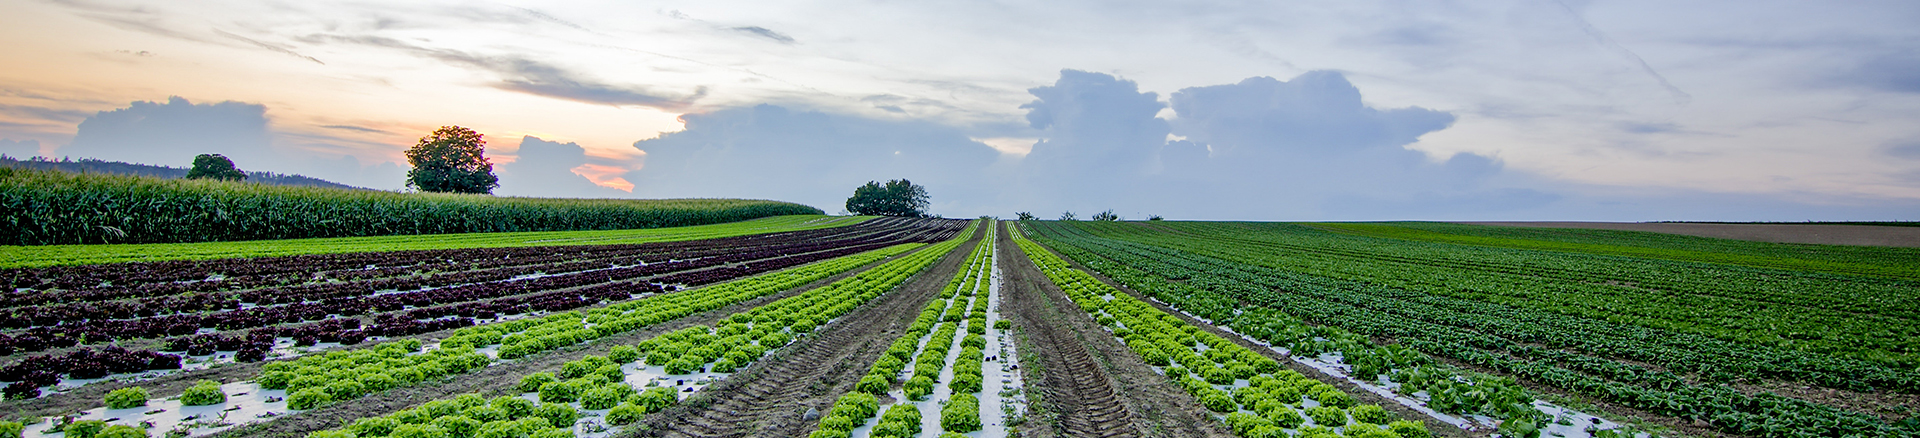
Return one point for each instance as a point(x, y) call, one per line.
point(215, 166)
point(452, 159)
point(895, 198)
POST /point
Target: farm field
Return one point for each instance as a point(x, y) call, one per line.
point(17, 256)
point(45, 207)
point(1691, 347)
point(831, 327)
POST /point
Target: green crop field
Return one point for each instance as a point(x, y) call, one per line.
point(65, 255)
point(51, 208)
point(1688, 327)
point(927, 327)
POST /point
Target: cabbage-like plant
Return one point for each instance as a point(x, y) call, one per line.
point(124, 398)
point(203, 393)
point(600, 398)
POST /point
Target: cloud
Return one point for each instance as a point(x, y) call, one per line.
point(527, 75)
point(172, 133)
point(1316, 113)
point(1909, 150)
point(811, 157)
point(765, 33)
point(1680, 97)
point(19, 148)
point(355, 129)
point(1896, 72)
point(1259, 148)
point(269, 47)
point(1094, 123)
point(546, 169)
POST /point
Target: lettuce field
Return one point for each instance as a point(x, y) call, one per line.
point(843, 327)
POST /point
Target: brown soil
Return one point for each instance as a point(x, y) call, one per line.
point(771, 397)
point(1085, 383)
point(1889, 406)
point(1865, 235)
point(493, 380)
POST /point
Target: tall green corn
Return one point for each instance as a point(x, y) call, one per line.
point(50, 207)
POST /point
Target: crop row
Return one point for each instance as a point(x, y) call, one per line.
point(318, 380)
point(1845, 259)
point(598, 383)
point(1215, 289)
point(1860, 318)
point(66, 284)
point(1258, 396)
point(521, 338)
point(925, 346)
point(73, 255)
point(425, 311)
point(1708, 358)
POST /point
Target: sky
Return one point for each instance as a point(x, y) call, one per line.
point(1218, 110)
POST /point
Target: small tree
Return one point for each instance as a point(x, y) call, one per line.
point(451, 159)
point(1025, 215)
point(1106, 216)
point(215, 166)
point(896, 198)
point(1067, 216)
point(1156, 218)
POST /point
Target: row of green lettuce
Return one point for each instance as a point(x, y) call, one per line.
point(589, 384)
point(925, 346)
point(1258, 397)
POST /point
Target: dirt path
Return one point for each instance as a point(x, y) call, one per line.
point(1865, 235)
point(1087, 383)
point(497, 379)
point(770, 397)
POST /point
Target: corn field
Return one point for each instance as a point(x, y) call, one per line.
point(50, 208)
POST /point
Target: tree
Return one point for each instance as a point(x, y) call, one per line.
point(896, 198)
point(1025, 215)
point(452, 159)
point(1106, 216)
point(1067, 216)
point(1156, 218)
point(215, 166)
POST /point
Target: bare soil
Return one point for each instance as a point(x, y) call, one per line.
point(772, 396)
point(1863, 235)
point(498, 379)
point(1086, 383)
